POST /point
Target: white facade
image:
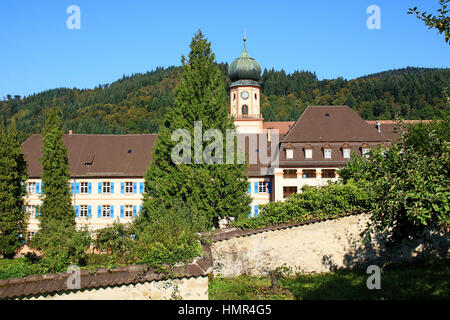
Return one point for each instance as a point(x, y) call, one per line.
point(93, 204)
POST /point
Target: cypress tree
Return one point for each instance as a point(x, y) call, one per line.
point(56, 204)
point(12, 181)
point(209, 190)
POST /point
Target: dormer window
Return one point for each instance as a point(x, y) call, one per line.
point(365, 150)
point(346, 151)
point(327, 151)
point(289, 151)
point(308, 151)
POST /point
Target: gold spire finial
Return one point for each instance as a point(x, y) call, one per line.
point(245, 36)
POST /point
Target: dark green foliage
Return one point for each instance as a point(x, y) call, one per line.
point(61, 247)
point(408, 182)
point(207, 190)
point(163, 237)
point(117, 241)
point(329, 201)
point(12, 190)
point(166, 236)
point(56, 203)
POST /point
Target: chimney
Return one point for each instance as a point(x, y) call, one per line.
point(70, 131)
point(378, 126)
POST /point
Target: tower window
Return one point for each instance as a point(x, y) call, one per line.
point(256, 96)
point(234, 96)
point(245, 109)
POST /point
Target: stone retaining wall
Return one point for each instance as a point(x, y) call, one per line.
point(313, 247)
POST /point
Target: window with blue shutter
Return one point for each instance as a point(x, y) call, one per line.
point(36, 212)
point(134, 211)
point(256, 210)
point(122, 210)
point(269, 187)
point(122, 187)
point(89, 211)
point(99, 188)
point(77, 188)
point(112, 211)
point(90, 187)
point(140, 209)
point(77, 211)
point(134, 187)
point(38, 188)
point(99, 211)
point(72, 188)
point(112, 187)
point(141, 187)
point(256, 187)
point(249, 187)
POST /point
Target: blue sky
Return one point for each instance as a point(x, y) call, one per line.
point(38, 51)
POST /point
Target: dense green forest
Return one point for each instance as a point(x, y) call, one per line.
point(136, 103)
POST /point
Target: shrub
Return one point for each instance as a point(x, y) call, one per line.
point(117, 240)
point(61, 247)
point(333, 200)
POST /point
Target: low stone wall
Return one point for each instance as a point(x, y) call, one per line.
point(313, 247)
point(183, 281)
point(172, 289)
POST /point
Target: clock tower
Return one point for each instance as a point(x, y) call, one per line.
point(245, 93)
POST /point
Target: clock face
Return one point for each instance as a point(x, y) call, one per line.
point(244, 94)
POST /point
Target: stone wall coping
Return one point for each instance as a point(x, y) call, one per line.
point(103, 277)
point(229, 233)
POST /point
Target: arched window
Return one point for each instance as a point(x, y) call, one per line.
point(256, 96)
point(245, 109)
point(234, 96)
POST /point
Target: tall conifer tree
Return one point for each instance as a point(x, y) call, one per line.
point(56, 206)
point(12, 190)
point(207, 190)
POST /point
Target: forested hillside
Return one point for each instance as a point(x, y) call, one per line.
point(136, 103)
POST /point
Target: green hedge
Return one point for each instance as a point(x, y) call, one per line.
point(329, 201)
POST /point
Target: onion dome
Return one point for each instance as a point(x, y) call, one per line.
point(244, 68)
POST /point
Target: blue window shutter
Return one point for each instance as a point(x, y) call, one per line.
point(249, 187)
point(77, 211)
point(99, 188)
point(99, 211)
point(90, 211)
point(140, 209)
point(122, 211)
point(141, 187)
point(134, 211)
point(38, 187)
point(256, 187)
point(112, 211)
point(72, 188)
point(36, 212)
point(269, 187)
point(112, 187)
point(256, 210)
point(122, 187)
point(134, 187)
point(90, 187)
point(77, 187)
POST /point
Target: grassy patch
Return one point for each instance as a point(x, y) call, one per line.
point(245, 288)
point(419, 280)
